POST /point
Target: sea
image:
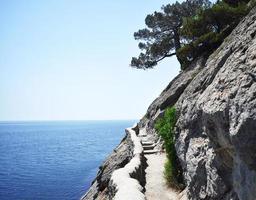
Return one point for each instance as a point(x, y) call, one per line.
point(50, 160)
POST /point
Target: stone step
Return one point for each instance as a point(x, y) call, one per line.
point(150, 151)
point(143, 135)
point(145, 143)
point(149, 147)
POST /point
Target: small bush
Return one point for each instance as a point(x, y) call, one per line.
point(165, 128)
point(168, 174)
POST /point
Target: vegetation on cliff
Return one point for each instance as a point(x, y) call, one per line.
point(165, 129)
point(188, 30)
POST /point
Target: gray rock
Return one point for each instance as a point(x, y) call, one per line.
point(216, 128)
point(219, 107)
point(169, 96)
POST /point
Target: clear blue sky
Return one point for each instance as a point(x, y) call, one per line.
point(69, 60)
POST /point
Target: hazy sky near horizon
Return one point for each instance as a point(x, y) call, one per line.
point(69, 60)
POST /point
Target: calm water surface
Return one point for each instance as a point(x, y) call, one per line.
point(54, 160)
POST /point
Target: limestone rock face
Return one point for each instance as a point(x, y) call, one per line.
point(216, 128)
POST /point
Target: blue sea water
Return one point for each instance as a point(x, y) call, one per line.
point(54, 160)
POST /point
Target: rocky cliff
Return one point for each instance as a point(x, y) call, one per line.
point(216, 128)
point(215, 136)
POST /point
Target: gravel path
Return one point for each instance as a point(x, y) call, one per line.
point(156, 188)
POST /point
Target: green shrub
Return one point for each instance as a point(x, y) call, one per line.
point(165, 128)
point(168, 173)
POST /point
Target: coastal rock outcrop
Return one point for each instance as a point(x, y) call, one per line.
point(215, 133)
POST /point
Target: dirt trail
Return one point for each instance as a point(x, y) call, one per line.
point(156, 188)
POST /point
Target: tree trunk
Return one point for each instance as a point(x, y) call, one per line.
point(176, 38)
point(177, 44)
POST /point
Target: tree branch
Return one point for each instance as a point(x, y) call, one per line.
point(165, 56)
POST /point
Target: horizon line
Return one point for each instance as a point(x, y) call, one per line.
point(47, 120)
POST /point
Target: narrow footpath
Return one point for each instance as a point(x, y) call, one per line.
point(156, 188)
